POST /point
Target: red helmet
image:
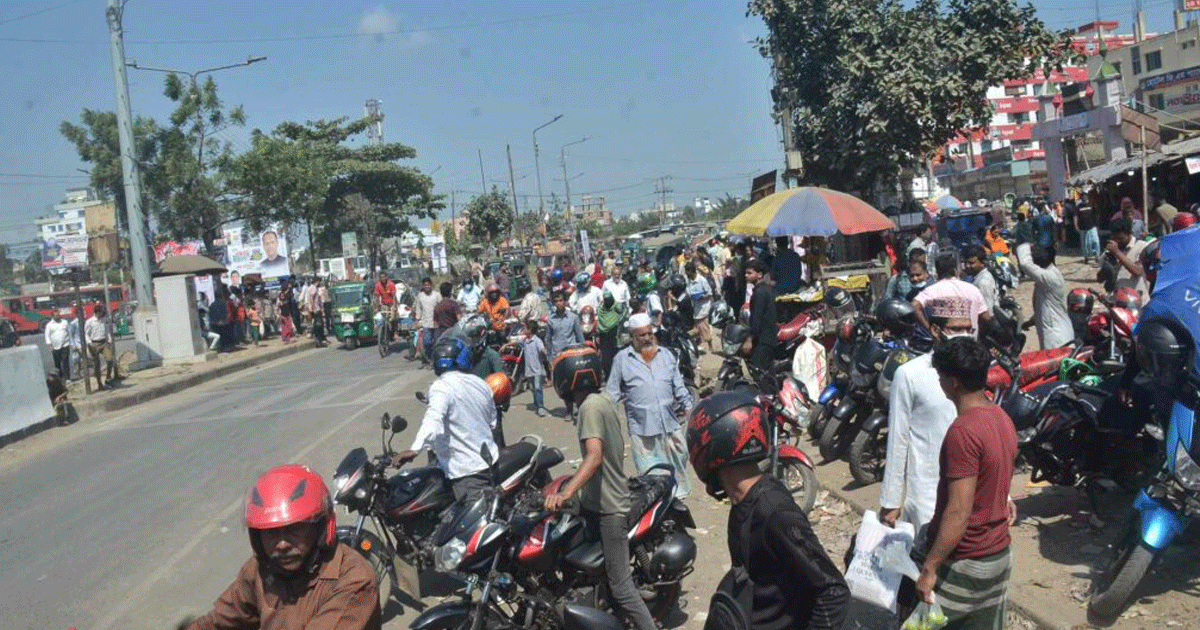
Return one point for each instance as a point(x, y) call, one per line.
point(1183, 220)
point(1126, 297)
point(286, 495)
point(726, 428)
point(1097, 326)
point(1080, 301)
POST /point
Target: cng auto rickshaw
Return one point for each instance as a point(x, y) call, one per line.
point(353, 314)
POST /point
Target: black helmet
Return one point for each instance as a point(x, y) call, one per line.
point(451, 354)
point(676, 284)
point(733, 337)
point(575, 369)
point(896, 315)
point(1151, 261)
point(1164, 351)
point(726, 428)
point(836, 297)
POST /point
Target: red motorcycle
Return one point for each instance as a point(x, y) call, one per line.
point(788, 463)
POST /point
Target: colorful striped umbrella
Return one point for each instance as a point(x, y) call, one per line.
point(948, 202)
point(809, 211)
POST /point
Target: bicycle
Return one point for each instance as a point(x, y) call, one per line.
point(384, 332)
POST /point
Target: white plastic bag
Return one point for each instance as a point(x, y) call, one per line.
point(870, 579)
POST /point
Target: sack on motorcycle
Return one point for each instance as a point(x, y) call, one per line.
point(732, 603)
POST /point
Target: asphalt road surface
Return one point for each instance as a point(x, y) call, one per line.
point(136, 520)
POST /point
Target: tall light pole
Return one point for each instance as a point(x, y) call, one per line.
point(562, 158)
point(192, 76)
point(138, 246)
point(537, 165)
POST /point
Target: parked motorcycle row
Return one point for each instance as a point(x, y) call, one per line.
point(1074, 430)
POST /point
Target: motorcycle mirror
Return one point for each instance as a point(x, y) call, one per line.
point(423, 398)
point(399, 424)
point(386, 421)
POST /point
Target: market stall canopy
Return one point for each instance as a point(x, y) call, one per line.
point(809, 211)
point(1108, 170)
point(198, 265)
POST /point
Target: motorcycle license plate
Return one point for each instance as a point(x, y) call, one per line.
point(347, 318)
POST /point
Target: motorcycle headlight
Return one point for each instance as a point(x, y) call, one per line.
point(448, 556)
point(1186, 469)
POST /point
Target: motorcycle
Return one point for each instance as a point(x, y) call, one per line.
point(861, 397)
point(512, 354)
point(535, 561)
point(588, 325)
point(676, 335)
point(868, 451)
point(406, 508)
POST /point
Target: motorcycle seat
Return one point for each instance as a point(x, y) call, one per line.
point(794, 328)
point(514, 457)
point(645, 491)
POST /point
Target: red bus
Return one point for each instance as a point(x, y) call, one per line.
point(29, 313)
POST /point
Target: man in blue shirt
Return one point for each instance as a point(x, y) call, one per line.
point(1045, 229)
point(647, 379)
point(786, 269)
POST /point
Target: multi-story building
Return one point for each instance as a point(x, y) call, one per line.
point(70, 215)
point(1004, 157)
point(1161, 76)
point(592, 209)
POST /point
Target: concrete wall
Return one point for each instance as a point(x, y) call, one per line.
point(24, 399)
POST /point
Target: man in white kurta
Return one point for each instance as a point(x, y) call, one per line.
point(918, 416)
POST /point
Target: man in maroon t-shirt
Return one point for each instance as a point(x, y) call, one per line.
point(445, 314)
point(969, 561)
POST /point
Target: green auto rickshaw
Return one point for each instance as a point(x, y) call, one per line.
point(353, 315)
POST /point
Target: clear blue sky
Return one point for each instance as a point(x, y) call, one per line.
point(660, 88)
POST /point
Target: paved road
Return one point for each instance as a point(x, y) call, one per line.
point(135, 520)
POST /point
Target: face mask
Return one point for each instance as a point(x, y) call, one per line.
point(955, 335)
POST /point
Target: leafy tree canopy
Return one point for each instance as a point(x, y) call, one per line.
point(876, 85)
point(489, 216)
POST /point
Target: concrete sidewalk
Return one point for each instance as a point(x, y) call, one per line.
point(145, 385)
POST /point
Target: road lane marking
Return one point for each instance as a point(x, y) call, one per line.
point(138, 593)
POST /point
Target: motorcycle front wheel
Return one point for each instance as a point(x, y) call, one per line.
point(801, 481)
point(817, 417)
point(830, 442)
point(868, 453)
point(1116, 585)
point(375, 551)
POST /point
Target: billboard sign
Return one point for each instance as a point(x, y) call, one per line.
point(65, 251)
point(350, 243)
point(762, 186)
point(264, 253)
point(167, 249)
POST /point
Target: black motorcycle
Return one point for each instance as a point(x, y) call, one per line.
point(676, 335)
point(407, 508)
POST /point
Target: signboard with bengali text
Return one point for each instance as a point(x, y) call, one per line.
point(65, 251)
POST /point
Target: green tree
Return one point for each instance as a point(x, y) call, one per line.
point(33, 269)
point(489, 216)
point(6, 265)
point(190, 155)
point(729, 206)
point(556, 225)
point(875, 85)
point(304, 173)
point(95, 140)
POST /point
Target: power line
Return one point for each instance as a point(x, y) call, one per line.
point(43, 176)
point(329, 36)
point(39, 12)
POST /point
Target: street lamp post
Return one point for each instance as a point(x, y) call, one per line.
point(537, 166)
point(562, 158)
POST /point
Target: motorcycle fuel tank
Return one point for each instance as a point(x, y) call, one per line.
point(417, 490)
